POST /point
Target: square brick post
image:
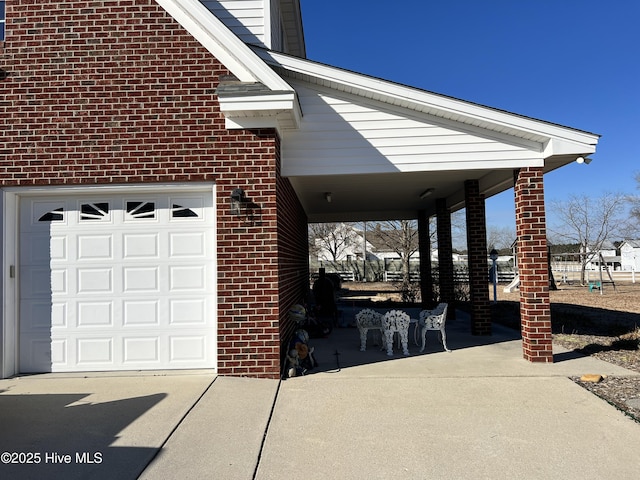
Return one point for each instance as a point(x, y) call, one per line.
point(531, 231)
point(445, 257)
point(424, 246)
point(477, 248)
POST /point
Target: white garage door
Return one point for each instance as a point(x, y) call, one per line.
point(117, 282)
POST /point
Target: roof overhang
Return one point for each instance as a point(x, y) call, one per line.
point(397, 194)
point(274, 104)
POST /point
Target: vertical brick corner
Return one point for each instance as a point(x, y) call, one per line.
point(532, 255)
point(477, 248)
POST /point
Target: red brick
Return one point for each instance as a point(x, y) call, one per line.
point(128, 96)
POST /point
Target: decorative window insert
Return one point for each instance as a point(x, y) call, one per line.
point(138, 210)
point(178, 211)
point(94, 211)
point(56, 215)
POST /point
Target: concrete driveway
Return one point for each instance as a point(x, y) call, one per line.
point(480, 411)
point(98, 426)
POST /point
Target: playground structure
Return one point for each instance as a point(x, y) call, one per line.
point(569, 266)
point(515, 283)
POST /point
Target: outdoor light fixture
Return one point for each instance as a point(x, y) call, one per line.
point(586, 160)
point(237, 201)
point(327, 197)
point(426, 193)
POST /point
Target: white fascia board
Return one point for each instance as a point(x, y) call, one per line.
point(489, 116)
point(557, 146)
point(223, 43)
point(246, 103)
point(281, 111)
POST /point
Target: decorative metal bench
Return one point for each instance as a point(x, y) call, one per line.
point(396, 321)
point(366, 320)
point(433, 320)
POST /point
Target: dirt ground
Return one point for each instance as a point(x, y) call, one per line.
point(604, 324)
point(601, 323)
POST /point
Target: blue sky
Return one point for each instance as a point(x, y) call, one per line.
point(571, 62)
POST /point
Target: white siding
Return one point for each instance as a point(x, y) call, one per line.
point(629, 257)
point(246, 18)
point(343, 134)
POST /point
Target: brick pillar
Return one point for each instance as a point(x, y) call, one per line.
point(531, 231)
point(445, 257)
point(477, 248)
point(424, 246)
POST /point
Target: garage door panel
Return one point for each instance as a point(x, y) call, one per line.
point(58, 315)
point(187, 245)
point(36, 282)
point(94, 280)
point(140, 245)
point(187, 278)
point(141, 279)
point(187, 348)
point(95, 351)
point(141, 313)
point(125, 282)
point(95, 247)
point(141, 350)
point(95, 314)
point(188, 312)
point(40, 315)
point(36, 351)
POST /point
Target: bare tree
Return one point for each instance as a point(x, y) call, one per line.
point(500, 238)
point(332, 241)
point(635, 206)
point(589, 221)
point(402, 238)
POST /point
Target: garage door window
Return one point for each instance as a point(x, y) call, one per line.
point(94, 211)
point(178, 211)
point(56, 215)
point(137, 210)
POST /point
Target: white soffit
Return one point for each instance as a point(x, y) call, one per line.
point(557, 139)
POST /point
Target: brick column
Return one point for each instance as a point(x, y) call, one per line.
point(445, 257)
point(424, 246)
point(533, 265)
point(477, 248)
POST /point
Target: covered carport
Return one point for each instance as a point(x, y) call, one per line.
point(368, 149)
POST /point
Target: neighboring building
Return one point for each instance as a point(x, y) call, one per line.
point(610, 258)
point(161, 160)
point(343, 244)
point(630, 255)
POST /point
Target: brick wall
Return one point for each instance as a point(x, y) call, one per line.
point(114, 92)
point(477, 248)
point(535, 313)
point(293, 256)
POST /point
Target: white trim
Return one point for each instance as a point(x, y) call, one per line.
point(10, 295)
point(214, 35)
point(428, 102)
point(107, 189)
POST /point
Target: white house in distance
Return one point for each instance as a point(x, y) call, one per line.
point(347, 241)
point(609, 256)
point(630, 255)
